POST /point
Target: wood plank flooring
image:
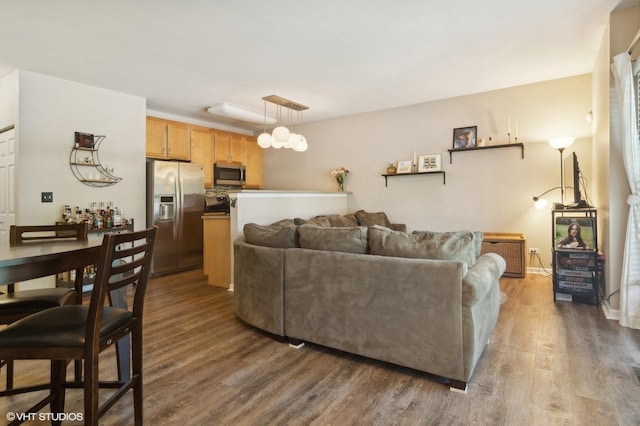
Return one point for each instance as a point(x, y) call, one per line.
point(546, 364)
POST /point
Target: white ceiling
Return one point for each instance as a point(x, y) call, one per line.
point(339, 57)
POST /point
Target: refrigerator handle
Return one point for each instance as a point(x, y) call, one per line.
point(177, 214)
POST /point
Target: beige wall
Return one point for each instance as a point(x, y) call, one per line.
point(488, 190)
point(49, 111)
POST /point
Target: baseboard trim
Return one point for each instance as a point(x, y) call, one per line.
point(538, 271)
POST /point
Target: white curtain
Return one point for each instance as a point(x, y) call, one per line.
point(630, 282)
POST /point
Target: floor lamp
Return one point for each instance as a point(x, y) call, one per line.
point(560, 144)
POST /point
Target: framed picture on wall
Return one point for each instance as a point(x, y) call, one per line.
point(465, 137)
point(84, 140)
point(404, 166)
point(429, 163)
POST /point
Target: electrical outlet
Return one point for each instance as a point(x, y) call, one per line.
point(46, 197)
point(533, 250)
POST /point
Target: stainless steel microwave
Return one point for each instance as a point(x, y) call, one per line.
point(225, 174)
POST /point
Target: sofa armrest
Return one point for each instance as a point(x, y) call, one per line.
point(258, 286)
point(479, 279)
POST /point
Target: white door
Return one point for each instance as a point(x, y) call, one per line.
point(7, 181)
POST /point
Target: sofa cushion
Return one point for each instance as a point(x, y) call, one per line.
point(370, 219)
point(453, 246)
point(284, 222)
point(477, 239)
point(276, 236)
point(346, 220)
point(318, 221)
point(352, 239)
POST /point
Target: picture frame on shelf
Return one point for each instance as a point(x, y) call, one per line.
point(465, 137)
point(84, 140)
point(404, 166)
point(429, 163)
point(574, 233)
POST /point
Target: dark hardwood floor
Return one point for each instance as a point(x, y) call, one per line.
point(546, 364)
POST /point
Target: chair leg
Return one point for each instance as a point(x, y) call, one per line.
point(91, 389)
point(9, 365)
point(136, 364)
point(58, 376)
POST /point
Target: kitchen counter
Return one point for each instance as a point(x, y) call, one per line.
point(210, 216)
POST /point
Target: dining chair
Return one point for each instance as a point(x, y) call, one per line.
point(81, 332)
point(15, 305)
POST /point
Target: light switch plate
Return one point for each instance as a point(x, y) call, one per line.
point(47, 197)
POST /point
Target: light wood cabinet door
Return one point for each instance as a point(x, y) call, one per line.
point(156, 138)
point(221, 147)
point(202, 152)
point(235, 148)
point(228, 147)
point(178, 142)
point(253, 160)
point(217, 251)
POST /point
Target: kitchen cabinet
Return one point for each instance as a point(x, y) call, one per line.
point(252, 159)
point(168, 140)
point(202, 152)
point(217, 250)
point(227, 147)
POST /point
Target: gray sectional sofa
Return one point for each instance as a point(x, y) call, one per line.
point(426, 300)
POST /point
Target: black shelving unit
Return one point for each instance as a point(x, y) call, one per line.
point(576, 265)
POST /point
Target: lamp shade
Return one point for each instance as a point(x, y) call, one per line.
point(281, 134)
point(265, 140)
point(561, 143)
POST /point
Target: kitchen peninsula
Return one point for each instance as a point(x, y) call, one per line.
point(262, 207)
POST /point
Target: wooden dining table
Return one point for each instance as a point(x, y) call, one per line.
point(28, 261)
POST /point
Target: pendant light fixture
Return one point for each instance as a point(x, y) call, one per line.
point(282, 136)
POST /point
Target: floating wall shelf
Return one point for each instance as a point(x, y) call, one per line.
point(510, 145)
point(444, 176)
point(86, 167)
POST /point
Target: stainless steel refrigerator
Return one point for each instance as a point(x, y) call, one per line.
point(175, 204)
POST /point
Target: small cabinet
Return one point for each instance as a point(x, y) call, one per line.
point(511, 246)
point(217, 250)
point(227, 147)
point(252, 159)
point(202, 152)
point(168, 140)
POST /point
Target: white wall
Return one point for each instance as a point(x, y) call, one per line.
point(488, 190)
point(50, 111)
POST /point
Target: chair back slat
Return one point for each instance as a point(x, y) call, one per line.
point(125, 260)
point(34, 233)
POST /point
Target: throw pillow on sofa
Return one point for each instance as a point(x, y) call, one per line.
point(456, 246)
point(275, 236)
point(351, 239)
point(370, 219)
point(477, 239)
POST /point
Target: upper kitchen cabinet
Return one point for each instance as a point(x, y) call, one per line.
point(202, 152)
point(227, 147)
point(168, 140)
point(252, 159)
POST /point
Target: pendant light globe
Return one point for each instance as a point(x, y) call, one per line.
point(265, 140)
point(280, 134)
